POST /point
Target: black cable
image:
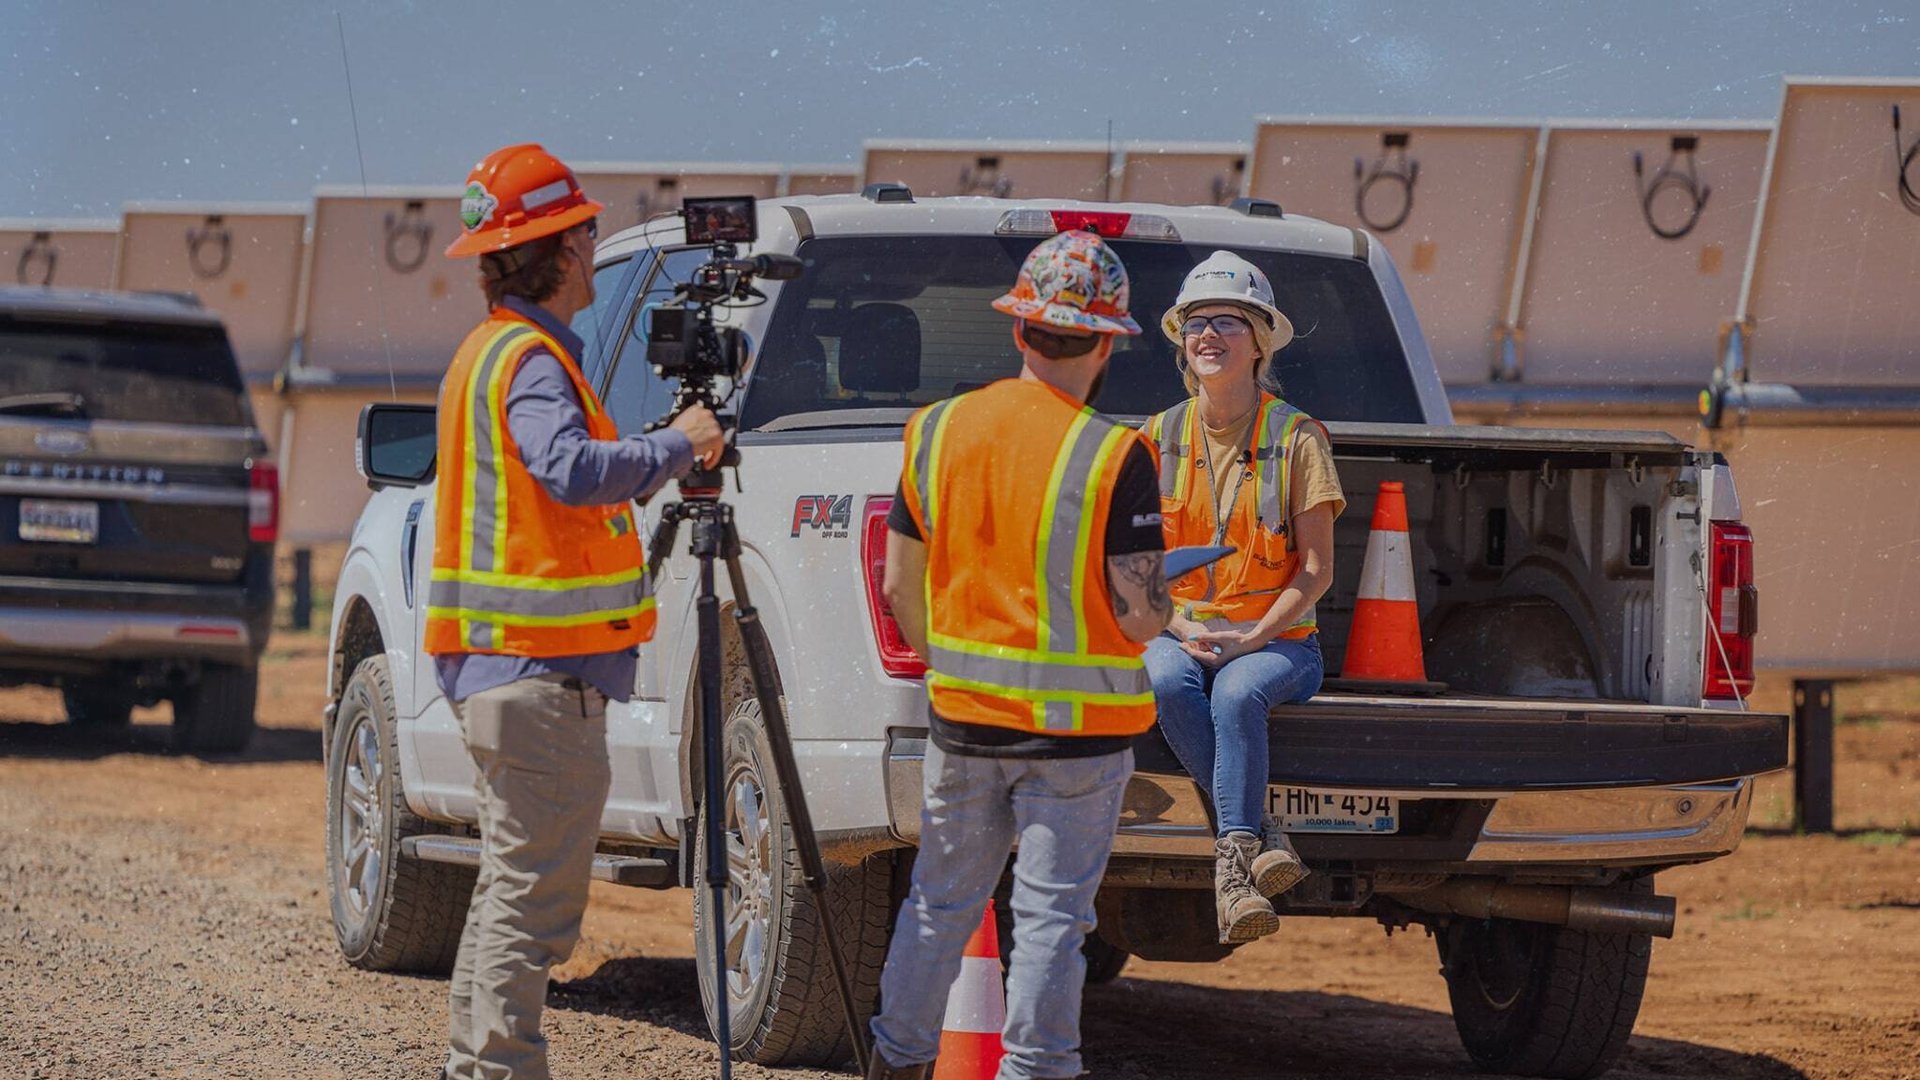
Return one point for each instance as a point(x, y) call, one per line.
point(1909, 196)
point(1670, 177)
point(1399, 171)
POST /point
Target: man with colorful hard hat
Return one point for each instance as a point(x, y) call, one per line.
point(538, 596)
point(1024, 564)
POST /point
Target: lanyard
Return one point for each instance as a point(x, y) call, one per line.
point(1221, 520)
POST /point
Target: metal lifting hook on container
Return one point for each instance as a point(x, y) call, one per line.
point(215, 233)
point(41, 246)
point(1391, 167)
point(412, 224)
point(984, 179)
point(1905, 157)
point(1673, 174)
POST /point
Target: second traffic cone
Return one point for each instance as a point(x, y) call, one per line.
point(970, 1047)
point(1384, 644)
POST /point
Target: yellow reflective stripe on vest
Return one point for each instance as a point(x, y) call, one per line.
point(922, 459)
point(1077, 677)
point(1170, 433)
point(514, 595)
point(481, 502)
point(496, 620)
point(1273, 478)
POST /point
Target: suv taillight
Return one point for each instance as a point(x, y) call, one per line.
point(897, 658)
point(1733, 612)
point(263, 502)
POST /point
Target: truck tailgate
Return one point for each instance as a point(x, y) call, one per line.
point(1469, 745)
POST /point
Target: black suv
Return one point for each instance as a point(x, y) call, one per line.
point(138, 511)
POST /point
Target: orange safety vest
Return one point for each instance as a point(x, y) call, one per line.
point(1010, 486)
point(515, 571)
point(1242, 586)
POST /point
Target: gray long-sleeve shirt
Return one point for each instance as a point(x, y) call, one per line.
point(548, 424)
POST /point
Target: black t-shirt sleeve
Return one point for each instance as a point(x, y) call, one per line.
point(1133, 523)
point(899, 518)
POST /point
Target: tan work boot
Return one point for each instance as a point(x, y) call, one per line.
point(1243, 913)
point(1278, 867)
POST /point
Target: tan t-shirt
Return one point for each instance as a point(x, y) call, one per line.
point(1313, 480)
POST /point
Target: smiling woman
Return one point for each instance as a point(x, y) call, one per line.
point(1242, 468)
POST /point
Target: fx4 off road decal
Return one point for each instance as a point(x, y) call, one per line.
point(831, 515)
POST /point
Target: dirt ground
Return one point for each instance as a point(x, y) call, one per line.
point(164, 916)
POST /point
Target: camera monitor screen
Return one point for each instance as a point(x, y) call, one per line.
point(721, 219)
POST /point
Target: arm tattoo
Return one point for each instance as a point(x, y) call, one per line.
point(1146, 570)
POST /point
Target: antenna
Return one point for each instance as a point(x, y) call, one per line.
point(379, 294)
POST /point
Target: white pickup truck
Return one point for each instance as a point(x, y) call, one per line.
point(1586, 599)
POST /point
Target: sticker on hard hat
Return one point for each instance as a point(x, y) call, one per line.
point(1201, 275)
point(477, 206)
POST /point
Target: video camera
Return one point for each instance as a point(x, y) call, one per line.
point(682, 341)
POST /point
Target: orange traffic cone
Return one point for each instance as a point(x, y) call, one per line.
point(970, 1047)
point(1384, 644)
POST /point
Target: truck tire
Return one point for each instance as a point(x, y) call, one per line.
point(783, 1004)
point(97, 707)
point(215, 715)
point(389, 913)
point(1536, 1000)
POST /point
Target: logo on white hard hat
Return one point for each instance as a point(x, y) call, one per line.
point(477, 205)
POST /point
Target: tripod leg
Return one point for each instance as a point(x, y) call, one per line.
point(707, 619)
point(773, 717)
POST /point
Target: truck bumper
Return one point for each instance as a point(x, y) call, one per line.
point(1165, 819)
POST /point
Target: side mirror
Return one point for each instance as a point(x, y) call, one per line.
point(396, 445)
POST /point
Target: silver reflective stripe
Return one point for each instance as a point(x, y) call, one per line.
point(507, 600)
point(486, 479)
point(1276, 449)
point(480, 635)
point(923, 461)
point(1173, 425)
point(1056, 716)
point(1120, 677)
point(1077, 486)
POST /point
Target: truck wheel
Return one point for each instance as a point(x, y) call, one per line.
point(215, 715)
point(1536, 1000)
point(97, 707)
point(1104, 959)
point(389, 913)
point(783, 1004)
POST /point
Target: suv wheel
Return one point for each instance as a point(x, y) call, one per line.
point(389, 913)
point(782, 1001)
point(1536, 1000)
point(97, 706)
point(215, 715)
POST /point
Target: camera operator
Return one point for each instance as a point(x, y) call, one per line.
point(538, 597)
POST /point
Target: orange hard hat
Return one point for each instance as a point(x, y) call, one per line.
point(517, 194)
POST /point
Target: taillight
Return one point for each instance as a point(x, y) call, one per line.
point(263, 502)
point(1111, 224)
point(897, 658)
point(1733, 611)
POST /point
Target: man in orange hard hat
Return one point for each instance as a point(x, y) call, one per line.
point(538, 597)
point(1024, 565)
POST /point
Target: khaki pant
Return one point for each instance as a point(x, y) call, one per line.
point(540, 746)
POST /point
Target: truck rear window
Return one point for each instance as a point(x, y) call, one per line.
point(153, 373)
point(879, 323)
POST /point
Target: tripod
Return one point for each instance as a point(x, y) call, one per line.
point(716, 537)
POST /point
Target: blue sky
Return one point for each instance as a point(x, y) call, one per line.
point(111, 102)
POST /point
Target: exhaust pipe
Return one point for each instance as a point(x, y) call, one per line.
point(1611, 911)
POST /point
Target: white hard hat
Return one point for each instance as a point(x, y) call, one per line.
point(1226, 278)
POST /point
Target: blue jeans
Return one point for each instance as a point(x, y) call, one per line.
point(1064, 813)
point(1216, 718)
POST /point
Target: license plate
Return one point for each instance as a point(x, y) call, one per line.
point(59, 521)
point(1318, 810)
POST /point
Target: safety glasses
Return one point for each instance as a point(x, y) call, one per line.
point(1227, 326)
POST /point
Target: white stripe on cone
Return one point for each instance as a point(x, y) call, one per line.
point(1387, 573)
point(976, 1002)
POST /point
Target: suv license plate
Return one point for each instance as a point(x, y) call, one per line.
point(59, 521)
point(1317, 810)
